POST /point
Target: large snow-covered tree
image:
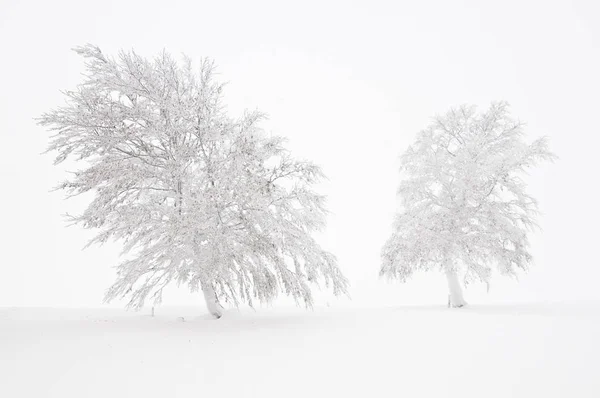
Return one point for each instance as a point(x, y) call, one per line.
point(196, 197)
point(465, 209)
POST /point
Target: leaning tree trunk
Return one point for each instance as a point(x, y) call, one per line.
point(211, 300)
point(456, 298)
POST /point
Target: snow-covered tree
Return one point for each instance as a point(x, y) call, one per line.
point(195, 196)
point(465, 209)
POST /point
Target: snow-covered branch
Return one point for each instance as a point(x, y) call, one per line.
point(195, 196)
point(464, 202)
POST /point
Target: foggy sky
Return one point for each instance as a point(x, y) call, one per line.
point(350, 84)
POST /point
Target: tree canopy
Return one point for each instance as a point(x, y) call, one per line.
point(464, 202)
point(195, 196)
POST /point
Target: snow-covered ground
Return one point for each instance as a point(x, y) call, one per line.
point(532, 350)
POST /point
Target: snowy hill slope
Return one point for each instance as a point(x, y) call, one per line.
point(487, 351)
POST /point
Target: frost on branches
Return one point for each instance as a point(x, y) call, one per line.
point(195, 196)
point(465, 209)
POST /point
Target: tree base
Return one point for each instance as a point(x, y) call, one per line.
point(455, 296)
point(212, 303)
point(455, 305)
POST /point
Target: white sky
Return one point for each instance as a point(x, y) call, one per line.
point(350, 83)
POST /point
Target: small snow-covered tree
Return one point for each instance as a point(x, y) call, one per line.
point(195, 196)
point(465, 209)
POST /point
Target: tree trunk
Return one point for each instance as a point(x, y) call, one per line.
point(211, 300)
point(456, 299)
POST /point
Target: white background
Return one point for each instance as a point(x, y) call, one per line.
point(350, 83)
